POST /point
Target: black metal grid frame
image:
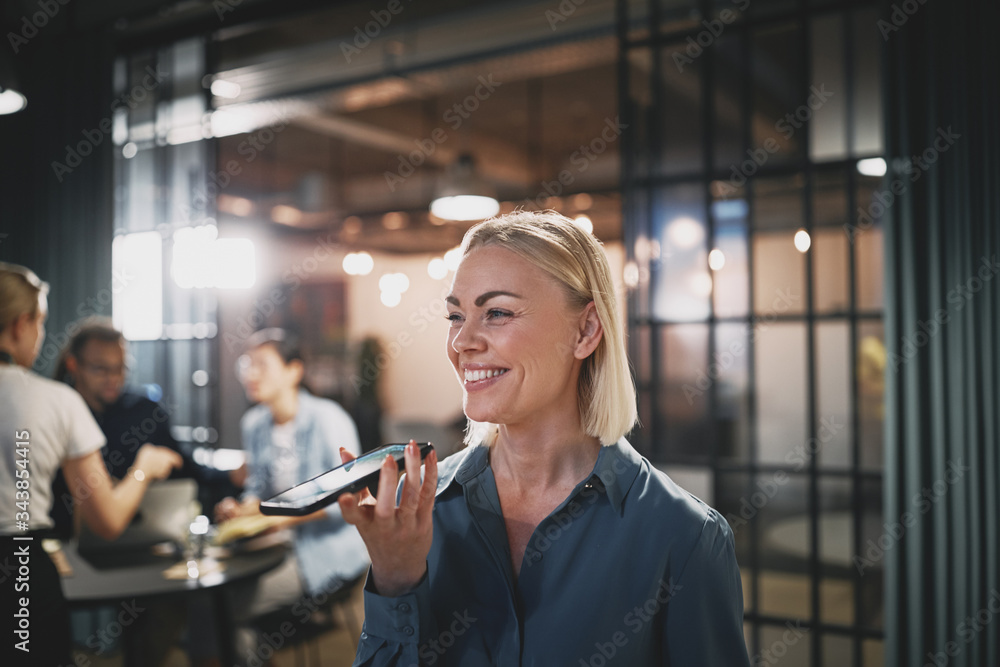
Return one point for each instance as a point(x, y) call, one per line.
point(163, 352)
point(638, 203)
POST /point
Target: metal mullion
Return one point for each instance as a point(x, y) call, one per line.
point(771, 468)
point(162, 92)
point(210, 57)
point(766, 170)
point(708, 142)
point(857, 496)
point(750, 22)
point(805, 26)
point(823, 628)
point(628, 187)
point(778, 317)
point(657, 444)
point(753, 444)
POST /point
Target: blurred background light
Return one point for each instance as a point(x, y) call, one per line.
point(716, 259)
point(437, 269)
point(685, 232)
point(873, 166)
point(137, 302)
point(802, 240)
point(200, 260)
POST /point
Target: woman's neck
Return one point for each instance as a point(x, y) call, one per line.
point(553, 455)
point(285, 406)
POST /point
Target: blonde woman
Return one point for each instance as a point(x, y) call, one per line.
point(45, 425)
point(549, 540)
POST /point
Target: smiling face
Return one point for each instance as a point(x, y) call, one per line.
point(515, 342)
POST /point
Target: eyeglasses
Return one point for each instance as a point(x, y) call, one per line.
point(244, 364)
point(105, 371)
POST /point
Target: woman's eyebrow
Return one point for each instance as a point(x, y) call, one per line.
point(484, 297)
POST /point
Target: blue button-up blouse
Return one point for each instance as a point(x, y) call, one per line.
point(629, 570)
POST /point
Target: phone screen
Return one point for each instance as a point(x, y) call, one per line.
point(326, 486)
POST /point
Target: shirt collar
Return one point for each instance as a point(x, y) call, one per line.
point(614, 472)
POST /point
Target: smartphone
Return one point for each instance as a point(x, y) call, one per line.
point(351, 477)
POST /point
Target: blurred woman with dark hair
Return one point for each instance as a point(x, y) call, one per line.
point(289, 437)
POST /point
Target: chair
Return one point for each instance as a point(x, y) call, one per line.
point(320, 622)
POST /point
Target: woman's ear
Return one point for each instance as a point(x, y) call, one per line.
point(22, 325)
point(589, 332)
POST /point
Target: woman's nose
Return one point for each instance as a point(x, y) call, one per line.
point(466, 338)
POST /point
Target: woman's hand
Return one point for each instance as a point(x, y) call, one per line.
point(230, 508)
point(398, 537)
point(226, 509)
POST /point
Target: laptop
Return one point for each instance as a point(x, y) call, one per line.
point(163, 516)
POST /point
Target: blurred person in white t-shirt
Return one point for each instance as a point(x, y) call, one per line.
point(45, 426)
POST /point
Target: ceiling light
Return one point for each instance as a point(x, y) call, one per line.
point(463, 195)
point(12, 99)
point(229, 90)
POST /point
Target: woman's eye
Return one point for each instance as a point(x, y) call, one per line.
point(453, 317)
point(494, 314)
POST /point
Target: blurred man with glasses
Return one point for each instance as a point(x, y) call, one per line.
point(93, 363)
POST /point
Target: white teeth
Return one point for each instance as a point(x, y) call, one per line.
point(476, 376)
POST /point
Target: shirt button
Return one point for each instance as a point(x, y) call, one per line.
point(364, 635)
point(408, 630)
point(404, 607)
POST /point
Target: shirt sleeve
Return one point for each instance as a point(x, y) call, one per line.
point(254, 485)
point(82, 434)
point(396, 629)
point(704, 619)
point(339, 431)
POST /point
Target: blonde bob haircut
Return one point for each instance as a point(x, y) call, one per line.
point(576, 260)
point(20, 293)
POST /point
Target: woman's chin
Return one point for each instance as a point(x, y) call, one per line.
point(481, 415)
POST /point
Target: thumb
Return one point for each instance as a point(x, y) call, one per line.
point(351, 509)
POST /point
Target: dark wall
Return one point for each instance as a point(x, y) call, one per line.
point(60, 224)
point(942, 331)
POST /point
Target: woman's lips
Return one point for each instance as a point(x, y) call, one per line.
point(482, 378)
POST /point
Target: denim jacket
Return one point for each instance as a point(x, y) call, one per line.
point(329, 550)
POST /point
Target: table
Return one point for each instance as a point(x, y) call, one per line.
point(138, 575)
